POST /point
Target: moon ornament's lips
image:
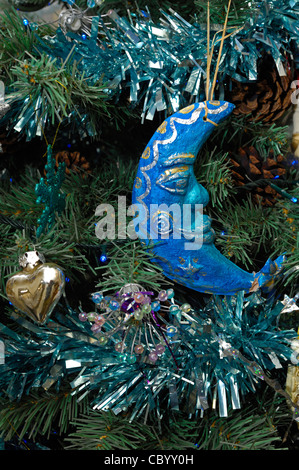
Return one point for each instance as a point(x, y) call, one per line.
point(165, 177)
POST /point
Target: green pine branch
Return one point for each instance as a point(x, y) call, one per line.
point(239, 12)
point(253, 427)
point(185, 9)
point(55, 89)
point(246, 229)
point(37, 414)
point(15, 40)
point(130, 263)
point(74, 228)
point(213, 170)
point(51, 89)
point(106, 431)
point(242, 131)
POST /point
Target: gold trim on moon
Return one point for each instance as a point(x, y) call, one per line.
point(138, 182)
point(178, 176)
point(179, 158)
point(162, 129)
point(187, 110)
point(146, 154)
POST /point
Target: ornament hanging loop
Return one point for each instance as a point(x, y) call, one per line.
point(31, 258)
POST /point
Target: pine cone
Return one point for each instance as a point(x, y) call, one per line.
point(9, 144)
point(74, 162)
point(248, 166)
point(266, 99)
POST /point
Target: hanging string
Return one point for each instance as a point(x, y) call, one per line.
point(210, 55)
point(214, 41)
point(220, 50)
point(21, 440)
point(209, 58)
point(205, 118)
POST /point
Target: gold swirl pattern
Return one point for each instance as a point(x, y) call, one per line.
point(146, 154)
point(179, 158)
point(187, 109)
point(162, 129)
point(138, 182)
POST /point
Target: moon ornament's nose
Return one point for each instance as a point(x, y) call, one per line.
point(196, 194)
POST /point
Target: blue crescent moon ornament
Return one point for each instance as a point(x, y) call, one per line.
point(165, 187)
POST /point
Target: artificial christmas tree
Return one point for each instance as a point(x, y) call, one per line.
point(128, 359)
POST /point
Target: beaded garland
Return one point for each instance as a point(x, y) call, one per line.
point(136, 323)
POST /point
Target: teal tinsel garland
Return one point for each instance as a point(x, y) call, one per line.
point(221, 353)
point(163, 65)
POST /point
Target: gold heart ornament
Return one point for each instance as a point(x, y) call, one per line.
point(37, 288)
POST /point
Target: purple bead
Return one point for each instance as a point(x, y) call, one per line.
point(147, 300)
point(83, 316)
point(153, 356)
point(163, 295)
point(95, 328)
point(160, 349)
point(125, 306)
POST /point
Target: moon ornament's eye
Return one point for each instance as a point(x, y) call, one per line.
point(174, 180)
point(178, 185)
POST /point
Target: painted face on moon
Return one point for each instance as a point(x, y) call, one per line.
point(171, 203)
